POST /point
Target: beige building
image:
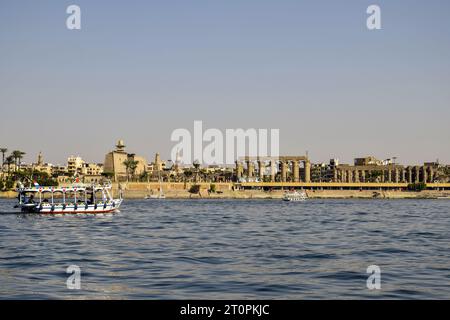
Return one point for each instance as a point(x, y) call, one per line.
point(92, 169)
point(114, 162)
point(368, 161)
point(41, 166)
point(75, 165)
point(157, 166)
point(59, 170)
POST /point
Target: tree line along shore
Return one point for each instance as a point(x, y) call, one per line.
point(136, 190)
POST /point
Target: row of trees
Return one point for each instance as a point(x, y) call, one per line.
point(27, 176)
point(15, 158)
point(8, 182)
point(195, 174)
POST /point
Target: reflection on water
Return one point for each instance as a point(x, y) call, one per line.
point(228, 249)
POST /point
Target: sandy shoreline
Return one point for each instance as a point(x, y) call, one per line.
point(224, 191)
point(324, 194)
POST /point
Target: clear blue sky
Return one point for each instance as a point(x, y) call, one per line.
point(140, 69)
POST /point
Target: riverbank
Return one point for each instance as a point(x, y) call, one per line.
point(322, 194)
point(226, 191)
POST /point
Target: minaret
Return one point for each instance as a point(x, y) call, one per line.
point(120, 146)
point(158, 162)
point(40, 159)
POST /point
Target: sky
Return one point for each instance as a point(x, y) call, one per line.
point(137, 70)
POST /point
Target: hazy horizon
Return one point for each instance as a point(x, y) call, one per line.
point(137, 70)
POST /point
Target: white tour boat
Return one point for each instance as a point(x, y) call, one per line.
point(75, 199)
point(295, 196)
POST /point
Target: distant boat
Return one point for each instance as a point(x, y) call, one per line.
point(295, 196)
point(156, 196)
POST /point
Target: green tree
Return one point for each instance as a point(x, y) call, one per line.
point(18, 156)
point(195, 189)
point(417, 186)
point(374, 175)
point(130, 166)
point(187, 174)
point(9, 161)
point(9, 184)
point(143, 176)
point(196, 169)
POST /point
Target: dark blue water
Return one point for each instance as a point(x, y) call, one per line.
point(268, 249)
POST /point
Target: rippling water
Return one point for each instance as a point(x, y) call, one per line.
point(227, 249)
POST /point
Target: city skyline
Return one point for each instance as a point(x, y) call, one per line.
point(40, 158)
point(310, 69)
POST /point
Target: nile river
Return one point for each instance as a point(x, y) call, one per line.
point(228, 249)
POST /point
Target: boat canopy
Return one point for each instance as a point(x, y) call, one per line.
point(74, 188)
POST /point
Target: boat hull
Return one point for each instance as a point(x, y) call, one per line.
point(294, 199)
point(110, 207)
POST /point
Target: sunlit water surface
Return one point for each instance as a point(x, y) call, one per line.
point(227, 249)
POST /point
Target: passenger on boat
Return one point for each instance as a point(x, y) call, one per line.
point(91, 199)
point(31, 199)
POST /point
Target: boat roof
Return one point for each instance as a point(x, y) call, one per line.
point(72, 188)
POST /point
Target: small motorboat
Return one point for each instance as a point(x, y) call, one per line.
point(295, 196)
point(155, 196)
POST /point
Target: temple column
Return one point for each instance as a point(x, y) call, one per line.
point(363, 175)
point(239, 170)
point(425, 174)
point(417, 177)
point(307, 171)
point(250, 169)
point(397, 175)
point(272, 170)
point(261, 169)
point(356, 176)
point(431, 177)
point(403, 175)
point(296, 171)
point(410, 175)
point(350, 176)
point(283, 171)
point(389, 177)
point(335, 175)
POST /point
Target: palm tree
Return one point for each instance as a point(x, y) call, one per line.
point(9, 161)
point(18, 156)
point(21, 157)
point(3, 151)
point(196, 166)
point(130, 166)
point(187, 174)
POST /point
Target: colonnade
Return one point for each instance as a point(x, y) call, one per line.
point(283, 165)
point(384, 174)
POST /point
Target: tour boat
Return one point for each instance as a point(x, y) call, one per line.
point(77, 199)
point(294, 196)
